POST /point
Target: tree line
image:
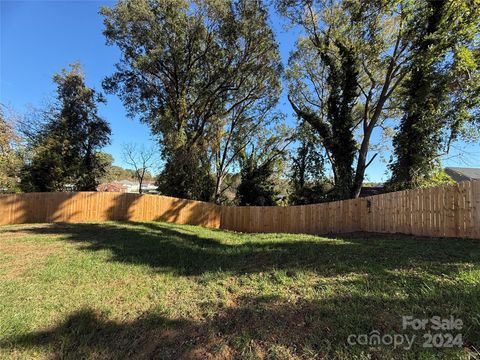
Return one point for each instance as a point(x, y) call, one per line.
point(206, 76)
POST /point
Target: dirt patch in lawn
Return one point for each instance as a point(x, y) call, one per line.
point(16, 257)
point(47, 230)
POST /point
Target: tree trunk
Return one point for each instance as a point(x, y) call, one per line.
point(218, 184)
point(361, 166)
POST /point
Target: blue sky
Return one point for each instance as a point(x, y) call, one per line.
point(39, 38)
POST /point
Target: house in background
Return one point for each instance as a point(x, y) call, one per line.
point(460, 174)
point(111, 187)
point(149, 187)
point(128, 186)
point(132, 186)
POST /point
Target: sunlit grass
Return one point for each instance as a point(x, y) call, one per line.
point(156, 290)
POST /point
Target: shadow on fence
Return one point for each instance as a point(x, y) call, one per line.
point(93, 206)
point(37, 207)
point(448, 211)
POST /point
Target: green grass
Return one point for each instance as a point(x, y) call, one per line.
point(155, 290)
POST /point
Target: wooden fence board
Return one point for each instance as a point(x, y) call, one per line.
point(451, 211)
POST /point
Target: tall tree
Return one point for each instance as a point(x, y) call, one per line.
point(344, 76)
point(442, 94)
point(64, 150)
point(336, 130)
point(195, 73)
point(308, 180)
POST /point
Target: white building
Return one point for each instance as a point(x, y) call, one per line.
point(133, 186)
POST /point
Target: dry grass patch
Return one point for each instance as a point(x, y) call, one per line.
point(17, 256)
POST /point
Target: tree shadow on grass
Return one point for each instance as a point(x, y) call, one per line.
point(194, 251)
point(253, 327)
point(396, 275)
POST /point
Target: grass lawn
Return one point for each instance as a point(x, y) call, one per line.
point(154, 290)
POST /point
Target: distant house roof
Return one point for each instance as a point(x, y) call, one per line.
point(111, 187)
point(463, 174)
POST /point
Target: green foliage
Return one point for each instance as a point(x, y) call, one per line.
point(187, 175)
point(344, 76)
point(193, 73)
point(65, 150)
point(261, 166)
point(416, 61)
point(335, 131)
point(257, 186)
point(114, 172)
point(442, 95)
point(438, 177)
point(308, 180)
point(342, 80)
point(10, 156)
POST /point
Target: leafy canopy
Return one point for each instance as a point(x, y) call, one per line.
point(64, 150)
point(189, 70)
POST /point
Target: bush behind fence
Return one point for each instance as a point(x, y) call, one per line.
point(447, 211)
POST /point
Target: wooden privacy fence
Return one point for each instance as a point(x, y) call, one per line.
point(447, 211)
point(103, 206)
